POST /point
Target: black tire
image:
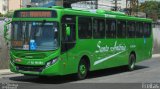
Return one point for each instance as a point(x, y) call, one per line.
point(82, 70)
point(131, 62)
point(42, 77)
point(27, 75)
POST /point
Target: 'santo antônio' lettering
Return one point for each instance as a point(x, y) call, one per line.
point(101, 49)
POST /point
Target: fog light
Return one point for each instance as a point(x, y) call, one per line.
point(49, 63)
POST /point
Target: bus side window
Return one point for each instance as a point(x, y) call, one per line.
point(85, 27)
point(139, 30)
point(70, 22)
point(121, 29)
point(147, 30)
point(98, 28)
point(68, 41)
point(110, 28)
point(131, 28)
point(113, 29)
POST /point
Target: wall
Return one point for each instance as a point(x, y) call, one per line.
point(156, 37)
point(3, 6)
point(0, 6)
point(59, 2)
point(4, 58)
point(14, 4)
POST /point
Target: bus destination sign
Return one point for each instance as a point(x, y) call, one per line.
point(35, 14)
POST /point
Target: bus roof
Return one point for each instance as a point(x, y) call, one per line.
point(94, 13)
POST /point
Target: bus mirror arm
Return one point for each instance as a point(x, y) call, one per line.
point(6, 29)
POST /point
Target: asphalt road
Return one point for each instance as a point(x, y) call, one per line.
point(146, 72)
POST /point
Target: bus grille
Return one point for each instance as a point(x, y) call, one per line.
point(30, 68)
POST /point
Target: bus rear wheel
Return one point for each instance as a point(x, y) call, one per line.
point(82, 70)
point(131, 63)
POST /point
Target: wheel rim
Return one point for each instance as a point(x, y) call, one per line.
point(82, 69)
point(132, 65)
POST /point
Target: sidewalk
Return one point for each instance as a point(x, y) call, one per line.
point(155, 55)
point(7, 71)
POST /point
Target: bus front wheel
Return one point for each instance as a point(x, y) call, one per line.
point(131, 63)
point(82, 70)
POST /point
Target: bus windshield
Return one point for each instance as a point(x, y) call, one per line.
point(34, 35)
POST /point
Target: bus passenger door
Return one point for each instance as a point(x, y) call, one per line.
point(68, 41)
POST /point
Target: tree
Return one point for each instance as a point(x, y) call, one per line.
point(151, 8)
point(1, 15)
point(9, 14)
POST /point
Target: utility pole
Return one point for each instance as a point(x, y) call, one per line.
point(115, 4)
point(96, 4)
point(128, 7)
point(8, 5)
point(132, 6)
point(20, 3)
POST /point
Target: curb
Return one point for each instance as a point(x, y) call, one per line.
point(155, 55)
point(5, 71)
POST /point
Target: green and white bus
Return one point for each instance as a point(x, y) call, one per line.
point(61, 41)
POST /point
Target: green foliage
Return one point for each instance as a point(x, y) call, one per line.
point(9, 15)
point(1, 15)
point(151, 8)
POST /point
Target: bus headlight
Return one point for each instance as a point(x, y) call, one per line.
point(49, 63)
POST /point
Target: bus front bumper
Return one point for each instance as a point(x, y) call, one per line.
point(52, 70)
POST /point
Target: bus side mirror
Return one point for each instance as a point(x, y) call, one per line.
point(6, 29)
point(68, 30)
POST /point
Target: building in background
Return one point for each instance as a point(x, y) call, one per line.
point(59, 2)
point(3, 6)
point(14, 4)
point(85, 5)
point(24, 3)
point(110, 4)
point(11, 5)
point(102, 4)
point(42, 3)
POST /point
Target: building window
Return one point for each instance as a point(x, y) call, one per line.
point(4, 8)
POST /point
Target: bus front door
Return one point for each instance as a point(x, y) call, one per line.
point(68, 41)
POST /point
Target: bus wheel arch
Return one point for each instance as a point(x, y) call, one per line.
point(132, 61)
point(83, 67)
point(134, 53)
point(86, 59)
